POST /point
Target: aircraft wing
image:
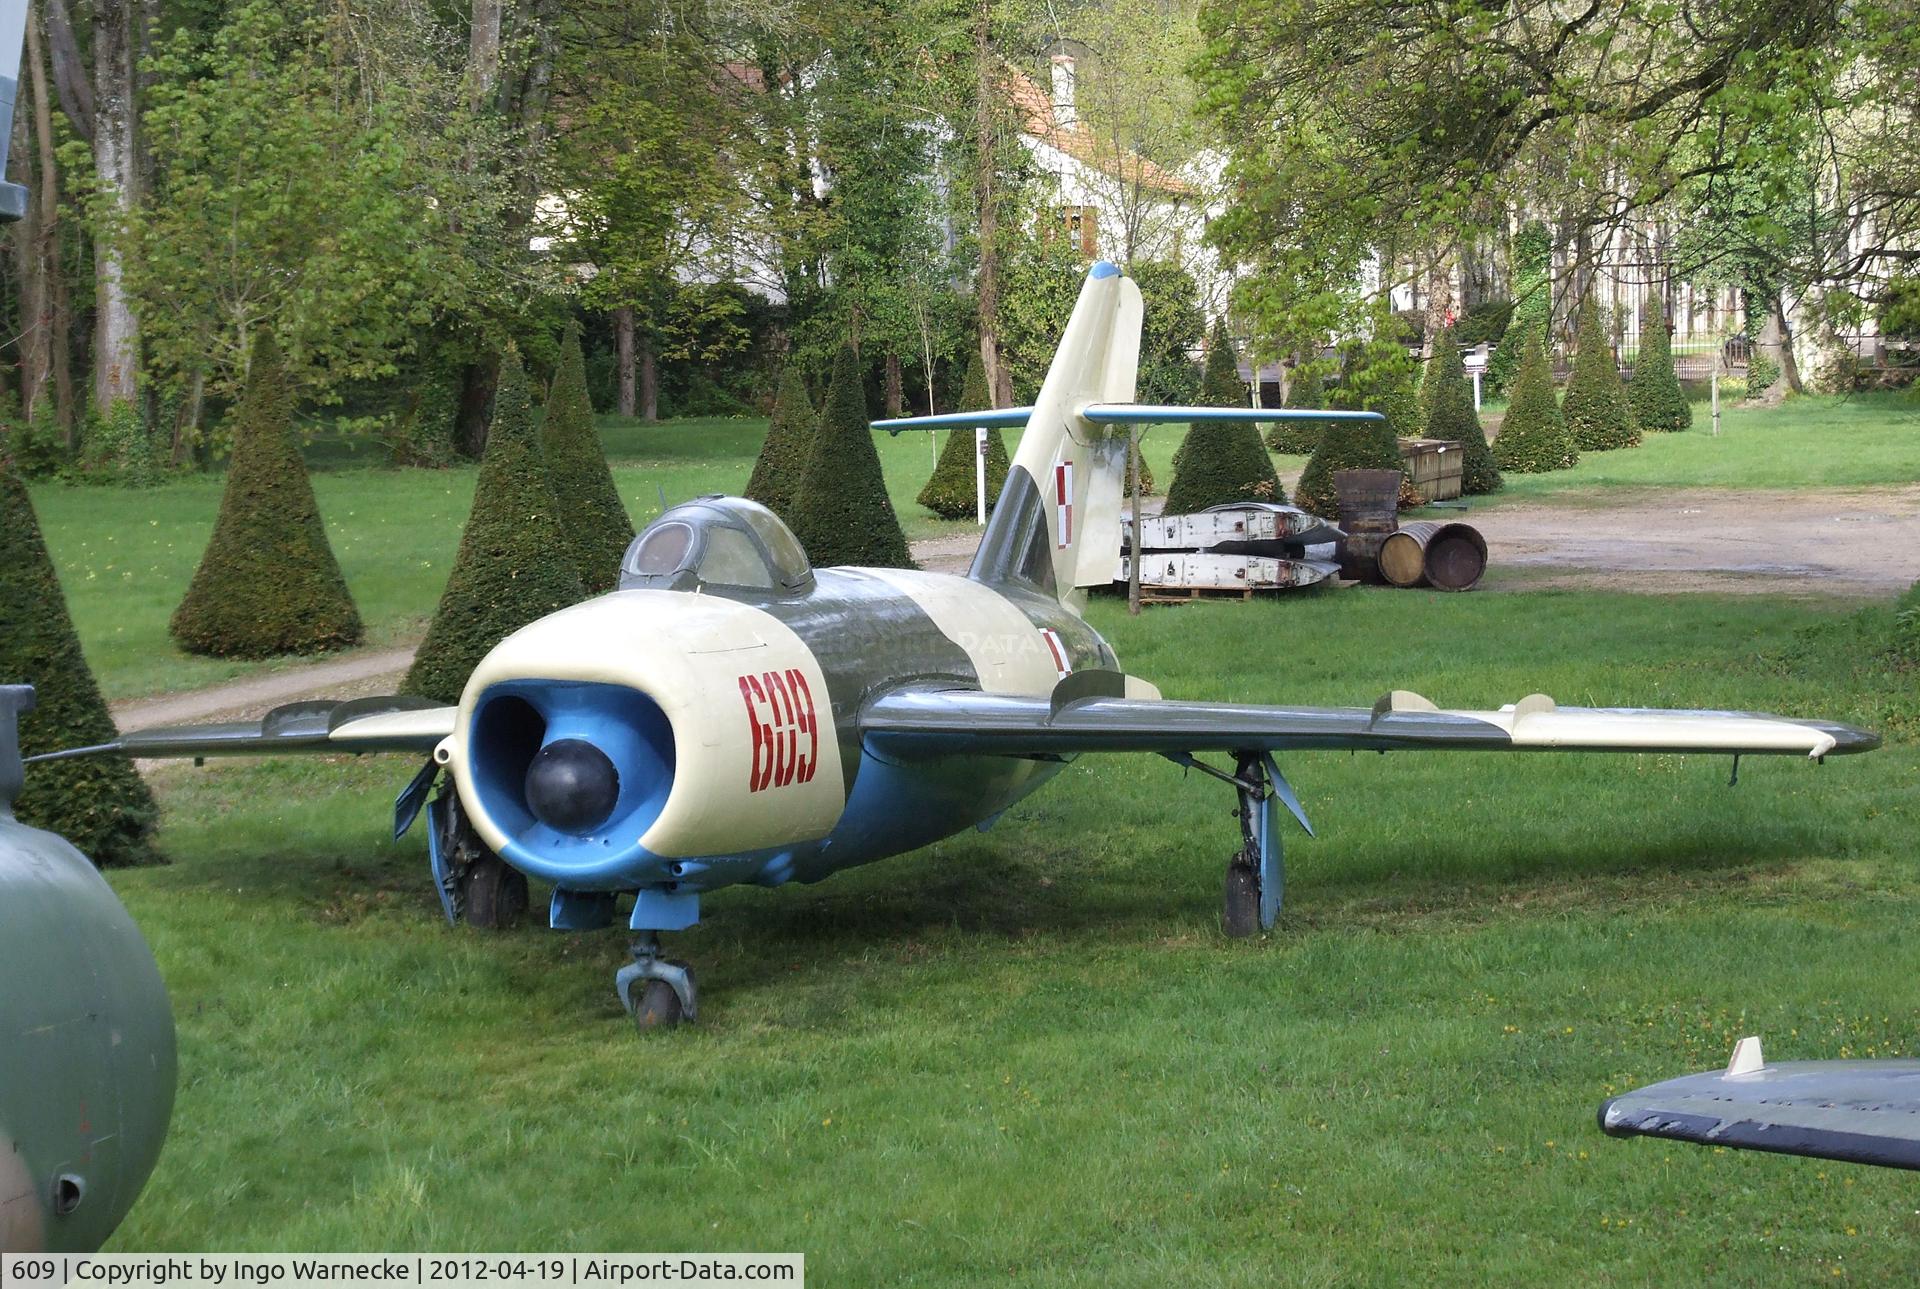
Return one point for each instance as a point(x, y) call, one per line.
point(392, 723)
point(1864, 1112)
point(926, 723)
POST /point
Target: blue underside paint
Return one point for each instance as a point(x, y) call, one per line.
point(1103, 269)
point(580, 910)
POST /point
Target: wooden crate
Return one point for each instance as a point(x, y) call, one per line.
point(1434, 465)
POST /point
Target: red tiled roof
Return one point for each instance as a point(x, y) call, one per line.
point(1080, 143)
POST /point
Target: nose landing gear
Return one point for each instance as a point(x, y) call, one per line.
point(657, 992)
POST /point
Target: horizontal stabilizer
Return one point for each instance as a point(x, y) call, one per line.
point(1167, 414)
point(1005, 417)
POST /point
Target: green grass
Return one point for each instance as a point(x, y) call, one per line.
point(125, 557)
point(1028, 1056)
point(1814, 441)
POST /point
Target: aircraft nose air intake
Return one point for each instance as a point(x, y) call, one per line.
point(572, 786)
point(571, 774)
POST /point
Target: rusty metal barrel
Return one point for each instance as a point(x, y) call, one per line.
point(1448, 557)
point(1369, 505)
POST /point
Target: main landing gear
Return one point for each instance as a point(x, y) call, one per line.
point(1257, 872)
point(476, 886)
point(657, 992)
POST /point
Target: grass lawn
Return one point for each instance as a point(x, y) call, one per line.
point(1815, 441)
point(125, 557)
point(1029, 1057)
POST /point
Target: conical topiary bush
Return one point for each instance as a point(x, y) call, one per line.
point(1222, 461)
point(514, 564)
point(1595, 406)
point(1147, 485)
point(842, 514)
point(1451, 416)
point(97, 802)
point(268, 582)
point(592, 521)
point(1654, 393)
point(950, 492)
point(789, 443)
point(1305, 389)
point(1533, 438)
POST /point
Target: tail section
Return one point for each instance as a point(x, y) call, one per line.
point(1057, 523)
point(1056, 527)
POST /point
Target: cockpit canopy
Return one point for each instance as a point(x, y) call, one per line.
point(726, 543)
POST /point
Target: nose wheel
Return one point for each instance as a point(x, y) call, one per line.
point(657, 992)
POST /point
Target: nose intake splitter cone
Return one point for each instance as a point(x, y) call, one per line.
point(572, 786)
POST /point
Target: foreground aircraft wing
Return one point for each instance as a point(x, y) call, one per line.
point(925, 723)
point(1864, 1112)
point(387, 724)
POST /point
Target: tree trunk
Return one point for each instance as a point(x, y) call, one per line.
point(116, 355)
point(36, 323)
point(476, 405)
point(649, 381)
point(69, 72)
point(53, 279)
point(483, 55)
point(894, 395)
point(1776, 343)
point(987, 203)
point(186, 421)
point(623, 358)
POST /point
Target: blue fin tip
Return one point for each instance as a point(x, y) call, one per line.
point(1103, 268)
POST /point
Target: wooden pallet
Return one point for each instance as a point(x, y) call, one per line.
point(1188, 594)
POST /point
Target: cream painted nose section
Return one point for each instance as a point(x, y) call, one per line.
point(756, 764)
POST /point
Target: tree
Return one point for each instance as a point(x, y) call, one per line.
point(842, 514)
point(277, 200)
point(1345, 445)
point(1305, 391)
point(268, 582)
point(1654, 393)
point(1362, 125)
point(513, 565)
point(788, 446)
point(950, 492)
point(1533, 438)
point(648, 152)
point(97, 803)
point(1532, 310)
point(593, 521)
point(1451, 417)
point(1222, 461)
point(1595, 407)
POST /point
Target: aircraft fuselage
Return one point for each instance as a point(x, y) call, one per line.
point(733, 720)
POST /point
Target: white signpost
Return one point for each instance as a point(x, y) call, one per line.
point(1476, 361)
point(980, 475)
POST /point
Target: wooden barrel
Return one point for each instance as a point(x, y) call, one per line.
point(1369, 504)
point(1448, 557)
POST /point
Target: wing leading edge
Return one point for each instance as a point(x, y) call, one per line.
point(921, 723)
point(392, 723)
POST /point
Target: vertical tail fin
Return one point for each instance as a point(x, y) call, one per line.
point(1056, 526)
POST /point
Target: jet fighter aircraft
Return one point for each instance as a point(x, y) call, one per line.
point(731, 715)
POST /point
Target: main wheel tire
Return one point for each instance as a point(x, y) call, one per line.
point(496, 894)
point(1240, 910)
point(659, 1007)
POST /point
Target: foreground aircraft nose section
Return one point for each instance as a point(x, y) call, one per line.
point(644, 739)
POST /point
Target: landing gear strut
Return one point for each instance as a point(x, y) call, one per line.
point(657, 992)
point(1257, 872)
